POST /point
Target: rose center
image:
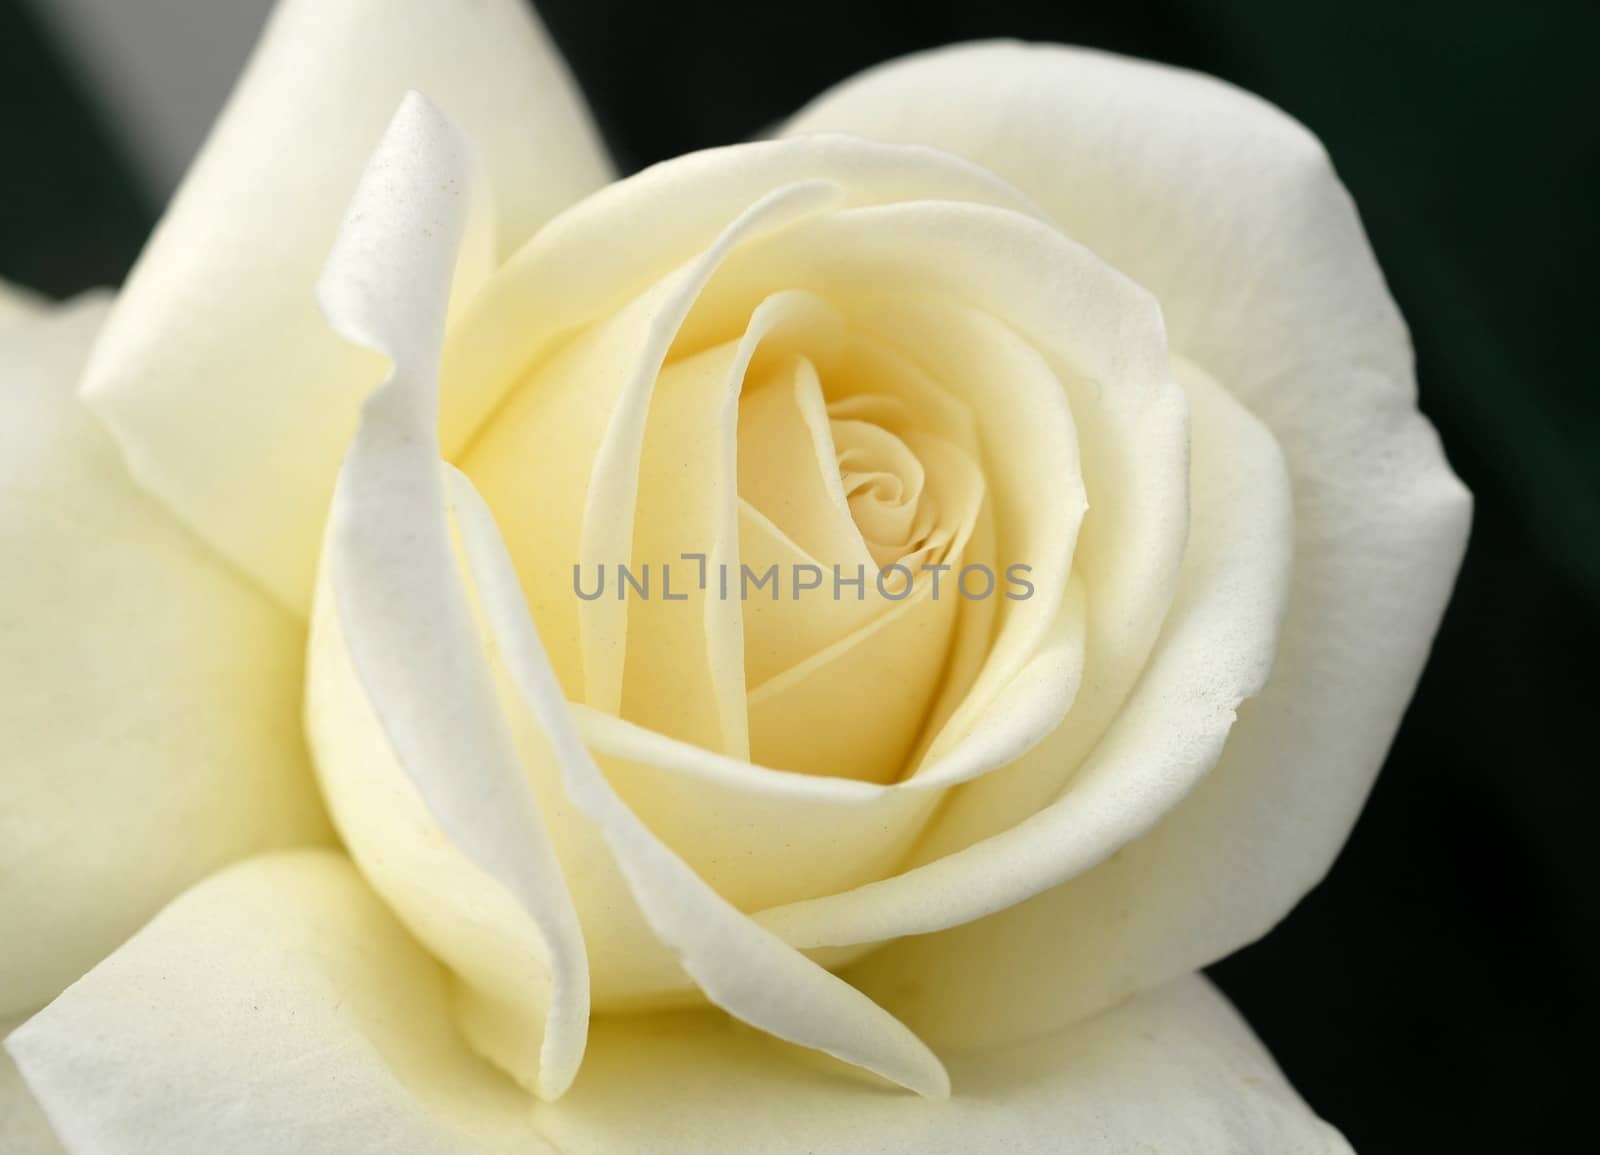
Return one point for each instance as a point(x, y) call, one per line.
point(850, 481)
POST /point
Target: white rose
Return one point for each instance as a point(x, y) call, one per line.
point(990, 307)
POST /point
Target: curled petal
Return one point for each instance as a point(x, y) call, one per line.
point(741, 967)
point(1215, 652)
point(216, 374)
point(1230, 214)
point(1175, 1070)
point(286, 976)
point(399, 682)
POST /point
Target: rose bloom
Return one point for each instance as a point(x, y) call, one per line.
point(337, 816)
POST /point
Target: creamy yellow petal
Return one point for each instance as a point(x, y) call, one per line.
point(1195, 886)
point(789, 466)
point(740, 967)
point(1174, 1071)
point(400, 695)
point(504, 990)
point(1216, 649)
point(858, 708)
point(684, 665)
point(1028, 442)
point(24, 1130)
point(684, 668)
point(778, 633)
point(147, 694)
point(610, 249)
point(796, 511)
point(560, 464)
point(1101, 337)
point(1230, 213)
point(216, 374)
point(758, 836)
point(277, 1006)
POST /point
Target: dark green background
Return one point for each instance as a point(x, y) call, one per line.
point(1437, 993)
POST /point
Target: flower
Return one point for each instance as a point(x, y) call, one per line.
point(452, 851)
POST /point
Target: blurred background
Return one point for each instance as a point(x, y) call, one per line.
point(1438, 991)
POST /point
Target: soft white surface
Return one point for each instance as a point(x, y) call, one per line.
point(396, 615)
point(404, 614)
point(219, 379)
point(1231, 215)
point(23, 1128)
point(148, 696)
point(278, 1007)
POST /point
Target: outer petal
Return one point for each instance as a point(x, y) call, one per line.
point(278, 1007)
point(1209, 197)
point(147, 694)
point(1174, 1071)
point(1230, 213)
point(218, 377)
point(412, 696)
point(23, 1128)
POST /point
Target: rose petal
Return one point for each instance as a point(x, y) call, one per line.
point(777, 634)
point(758, 836)
point(594, 304)
point(739, 966)
point(798, 515)
point(684, 669)
point(1215, 651)
point(279, 1007)
point(1101, 337)
point(1209, 877)
point(405, 616)
point(789, 466)
point(856, 709)
point(987, 258)
point(399, 684)
point(1219, 204)
point(1230, 213)
point(24, 1130)
point(610, 249)
point(216, 374)
point(1029, 446)
point(756, 842)
point(147, 694)
point(1176, 1070)
point(689, 508)
point(574, 503)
